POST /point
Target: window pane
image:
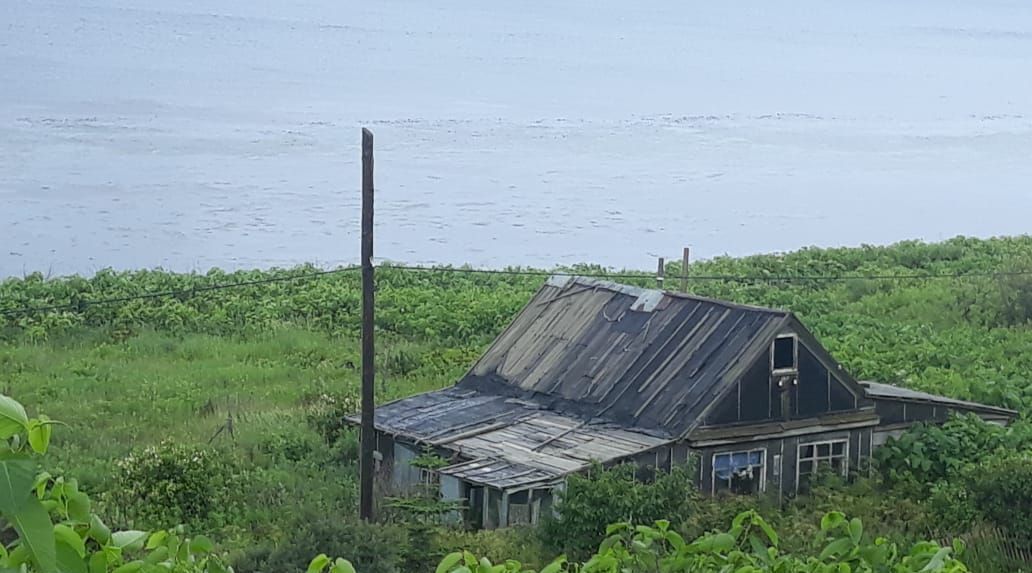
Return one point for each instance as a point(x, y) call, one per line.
point(838, 448)
point(806, 452)
point(739, 460)
point(721, 466)
point(823, 450)
point(805, 468)
point(784, 352)
point(755, 458)
point(721, 484)
point(746, 482)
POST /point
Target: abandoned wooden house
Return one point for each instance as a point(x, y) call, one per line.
point(596, 372)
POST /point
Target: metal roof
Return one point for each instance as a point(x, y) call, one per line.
point(878, 390)
point(514, 443)
point(640, 358)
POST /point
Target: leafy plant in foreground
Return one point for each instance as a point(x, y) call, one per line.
point(750, 546)
point(56, 530)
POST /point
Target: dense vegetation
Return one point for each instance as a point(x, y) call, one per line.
point(56, 531)
point(221, 409)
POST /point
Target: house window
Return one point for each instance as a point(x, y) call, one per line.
point(832, 454)
point(429, 477)
point(739, 472)
point(784, 355)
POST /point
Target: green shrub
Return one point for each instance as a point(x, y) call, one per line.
point(498, 545)
point(372, 548)
point(951, 508)
point(287, 445)
point(325, 413)
point(591, 502)
point(928, 454)
point(170, 484)
point(1001, 488)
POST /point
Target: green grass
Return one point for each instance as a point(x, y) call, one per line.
point(126, 376)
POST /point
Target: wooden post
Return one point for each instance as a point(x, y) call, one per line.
point(503, 511)
point(485, 516)
point(684, 269)
point(368, 435)
point(660, 269)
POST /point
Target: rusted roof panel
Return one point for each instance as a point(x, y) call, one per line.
point(499, 431)
point(639, 358)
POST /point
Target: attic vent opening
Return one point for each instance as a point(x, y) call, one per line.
point(784, 353)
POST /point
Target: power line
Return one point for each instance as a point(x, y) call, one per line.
point(727, 278)
point(189, 292)
point(82, 304)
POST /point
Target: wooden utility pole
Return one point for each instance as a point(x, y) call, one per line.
point(660, 270)
point(368, 436)
point(684, 269)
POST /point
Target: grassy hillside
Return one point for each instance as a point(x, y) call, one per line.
point(280, 359)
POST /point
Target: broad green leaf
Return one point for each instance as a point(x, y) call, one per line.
point(615, 527)
point(68, 558)
point(342, 566)
point(831, 520)
point(723, 542)
point(856, 530)
point(768, 531)
point(17, 476)
point(214, 565)
point(201, 544)
point(12, 417)
point(157, 539)
point(757, 545)
point(450, 561)
point(42, 480)
point(131, 540)
point(555, 566)
point(113, 554)
point(18, 556)
point(79, 507)
point(157, 556)
point(836, 548)
point(131, 567)
point(318, 564)
point(68, 535)
point(39, 435)
point(937, 561)
point(98, 563)
point(99, 531)
point(675, 540)
point(37, 534)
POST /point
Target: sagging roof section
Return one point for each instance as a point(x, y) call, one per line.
point(638, 358)
point(878, 390)
point(512, 444)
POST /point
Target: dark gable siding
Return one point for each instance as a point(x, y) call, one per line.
point(813, 396)
point(890, 412)
point(755, 387)
point(841, 397)
point(753, 399)
point(748, 400)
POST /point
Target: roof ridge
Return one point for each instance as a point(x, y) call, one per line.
point(562, 281)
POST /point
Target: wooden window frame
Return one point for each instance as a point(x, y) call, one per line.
point(816, 459)
point(763, 466)
point(429, 477)
point(794, 369)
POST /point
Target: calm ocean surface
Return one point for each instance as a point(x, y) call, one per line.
point(188, 134)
